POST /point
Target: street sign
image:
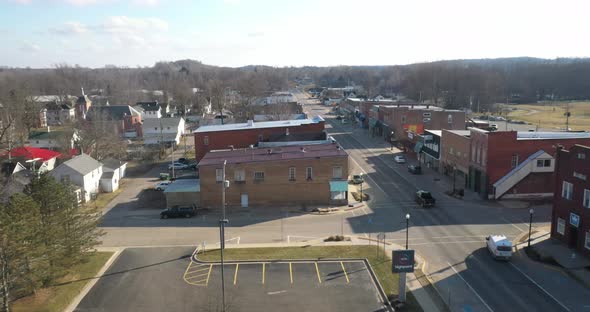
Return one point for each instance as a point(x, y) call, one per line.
point(574, 219)
point(403, 261)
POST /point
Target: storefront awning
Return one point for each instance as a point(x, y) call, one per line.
point(338, 186)
point(373, 122)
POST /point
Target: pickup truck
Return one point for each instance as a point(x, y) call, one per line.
point(424, 199)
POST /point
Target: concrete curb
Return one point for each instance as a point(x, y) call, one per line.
point(72, 306)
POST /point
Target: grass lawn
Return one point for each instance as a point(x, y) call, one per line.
point(378, 259)
point(57, 298)
point(550, 115)
point(104, 199)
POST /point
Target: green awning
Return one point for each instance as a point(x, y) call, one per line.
point(418, 147)
point(338, 186)
point(372, 122)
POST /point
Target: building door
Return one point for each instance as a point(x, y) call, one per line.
point(244, 200)
point(573, 237)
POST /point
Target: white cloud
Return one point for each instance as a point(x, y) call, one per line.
point(69, 28)
point(130, 25)
point(29, 47)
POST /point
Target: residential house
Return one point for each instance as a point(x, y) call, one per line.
point(570, 221)
point(149, 109)
point(112, 165)
point(17, 178)
point(59, 114)
point(52, 140)
point(82, 171)
point(163, 130)
point(241, 135)
point(126, 120)
point(43, 160)
point(279, 176)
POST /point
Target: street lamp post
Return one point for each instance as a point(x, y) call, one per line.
point(407, 228)
point(454, 178)
point(531, 211)
point(222, 222)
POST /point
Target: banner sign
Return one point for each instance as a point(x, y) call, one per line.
point(403, 261)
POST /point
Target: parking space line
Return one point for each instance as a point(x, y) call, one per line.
point(291, 271)
point(187, 268)
point(345, 274)
point(318, 272)
point(209, 274)
point(263, 271)
point(236, 273)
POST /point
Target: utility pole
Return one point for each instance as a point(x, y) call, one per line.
point(222, 222)
point(567, 115)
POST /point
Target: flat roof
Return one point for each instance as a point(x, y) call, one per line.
point(184, 186)
point(248, 155)
point(461, 132)
point(259, 125)
point(527, 135)
point(435, 132)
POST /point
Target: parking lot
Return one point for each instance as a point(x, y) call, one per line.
point(165, 279)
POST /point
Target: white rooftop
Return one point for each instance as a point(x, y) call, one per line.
point(525, 135)
point(259, 125)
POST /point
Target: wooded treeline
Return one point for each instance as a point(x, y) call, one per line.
point(454, 84)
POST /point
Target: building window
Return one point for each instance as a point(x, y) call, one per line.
point(205, 140)
point(336, 172)
point(65, 178)
point(579, 176)
point(451, 151)
point(587, 241)
point(560, 226)
point(514, 161)
point(309, 173)
point(239, 175)
point(567, 190)
point(543, 163)
point(404, 119)
point(450, 118)
point(218, 175)
point(259, 176)
point(581, 156)
point(291, 173)
point(586, 201)
point(156, 128)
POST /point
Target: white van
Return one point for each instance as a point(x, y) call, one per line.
point(499, 246)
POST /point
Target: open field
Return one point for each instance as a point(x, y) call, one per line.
point(57, 298)
point(551, 115)
point(380, 263)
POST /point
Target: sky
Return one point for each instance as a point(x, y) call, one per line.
point(96, 33)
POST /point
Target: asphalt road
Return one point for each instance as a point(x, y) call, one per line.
point(450, 236)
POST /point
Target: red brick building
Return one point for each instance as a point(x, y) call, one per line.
point(242, 135)
point(455, 153)
point(286, 176)
point(570, 222)
point(512, 164)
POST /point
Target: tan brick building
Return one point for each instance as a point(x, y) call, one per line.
point(279, 176)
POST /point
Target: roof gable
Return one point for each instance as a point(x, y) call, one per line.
point(82, 164)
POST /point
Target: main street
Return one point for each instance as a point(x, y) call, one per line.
point(450, 236)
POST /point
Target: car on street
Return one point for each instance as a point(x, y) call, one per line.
point(160, 186)
point(424, 199)
point(177, 166)
point(176, 211)
point(400, 159)
point(344, 121)
point(357, 179)
point(499, 247)
point(182, 160)
point(415, 169)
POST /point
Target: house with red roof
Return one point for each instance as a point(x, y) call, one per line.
point(40, 159)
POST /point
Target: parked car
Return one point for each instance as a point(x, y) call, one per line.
point(183, 160)
point(415, 169)
point(177, 166)
point(177, 211)
point(400, 159)
point(424, 199)
point(344, 121)
point(164, 176)
point(499, 246)
point(357, 179)
point(160, 186)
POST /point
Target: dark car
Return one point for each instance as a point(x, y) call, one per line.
point(424, 199)
point(183, 161)
point(175, 212)
point(415, 169)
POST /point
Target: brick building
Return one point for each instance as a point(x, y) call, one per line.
point(455, 154)
point(512, 164)
point(288, 175)
point(126, 120)
point(242, 135)
point(570, 222)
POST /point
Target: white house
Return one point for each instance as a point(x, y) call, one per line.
point(109, 181)
point(83, 171)
point(149, 109)
point(53, 139)
point(112, 165)
point(163, 130)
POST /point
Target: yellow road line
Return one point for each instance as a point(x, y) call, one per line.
point(345, 274)
point(291, 271)
point(263, 271)
point(199, 281)
point(318, 272)
point(187, 268)
point(236, 274)
point(203, 268)
point(209, 274)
